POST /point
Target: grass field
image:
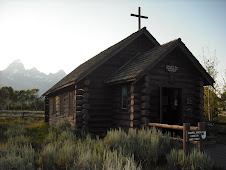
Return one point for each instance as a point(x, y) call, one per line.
point(33, 144)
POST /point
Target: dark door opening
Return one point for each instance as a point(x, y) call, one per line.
point(171, 105)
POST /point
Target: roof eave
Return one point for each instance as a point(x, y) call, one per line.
point(208, 78)
point(59, 88)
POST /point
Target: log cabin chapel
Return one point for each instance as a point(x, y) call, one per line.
point(130, 84)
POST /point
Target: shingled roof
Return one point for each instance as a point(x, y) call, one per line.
point(139, 63)
point(84, 69)
point(135, 68)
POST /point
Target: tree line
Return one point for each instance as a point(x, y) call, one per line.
point(214, 96)
point(11, 99)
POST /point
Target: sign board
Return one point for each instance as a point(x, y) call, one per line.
point(171, 68)
point(195, 135)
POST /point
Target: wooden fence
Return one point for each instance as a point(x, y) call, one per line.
point(186, 128)
point(22, 114)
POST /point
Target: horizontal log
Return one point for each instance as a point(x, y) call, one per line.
point(79, 97)
point(78, 108)
point(146, 90)
point(100, 114)
point(177, 127)
point(135, 109)
point(85, 123)
point(79, 102)
point(122, 117)
point(147, 78)
point(85, 111)
point(134, 95)
point(78, 119)
point(86, 95)
point(101, 125)
point(145, 120)
point(85, 100)
point(86, 82)
point(145, 113)
point(134, 101)
point(133, 123)
point(116, 105)
point(135, 116)
point(99, 119)
point(78, 113)
point(86, 106)
point(79, 92)
point(145, 105)
point(84, 89)
point(98, 130)
point(100, 108)
point(78, 125)
point(85, 128)
point(134, 89)
point(146, 84)
point(86, 117)
point(145, 98)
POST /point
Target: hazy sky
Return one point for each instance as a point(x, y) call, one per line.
point(62, 34)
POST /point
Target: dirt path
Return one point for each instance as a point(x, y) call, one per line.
point(218, 154)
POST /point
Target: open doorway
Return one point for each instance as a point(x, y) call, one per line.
point(171, 105)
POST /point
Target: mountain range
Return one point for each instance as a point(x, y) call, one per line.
point(19, 78)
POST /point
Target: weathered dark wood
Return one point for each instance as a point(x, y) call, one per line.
point(78, 119)
point(145, 120)
point(85, 111)
point(86, 117)
point(95, 103)
point(79, 102)
point(145, 98)
point(87, 82)
point(146, 91)
point(134, 109)
point(79, 125)
point(128, 123)
point(145, 113)
point(86, 95)
point(86, 106)
point(145, 105)
point(79, 108)
point(134, 101)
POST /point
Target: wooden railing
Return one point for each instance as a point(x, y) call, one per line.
point(185, 128)
point(22, 114)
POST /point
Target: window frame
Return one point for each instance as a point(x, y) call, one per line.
point(122, 97)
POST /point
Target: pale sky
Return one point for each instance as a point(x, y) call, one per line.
point(62, 34)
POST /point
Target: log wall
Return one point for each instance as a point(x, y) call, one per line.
point(187, 78)
point(103, 99)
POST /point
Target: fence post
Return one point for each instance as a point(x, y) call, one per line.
point(201, 127)
point(186, 127)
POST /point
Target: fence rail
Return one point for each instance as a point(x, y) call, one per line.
point(22, 114)
point(185, 128)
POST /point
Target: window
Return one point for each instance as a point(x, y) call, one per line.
point(124, 97)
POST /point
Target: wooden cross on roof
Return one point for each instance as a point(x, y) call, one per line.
point(139, 16)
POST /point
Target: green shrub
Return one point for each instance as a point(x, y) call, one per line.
point(195, 160)
point(17, 157)
point(115, 160)
point(67, 135)
point(49, 155)
point(63, 125)
point(200, 160)
point(89, 154)
point(51, 136)
point(13, 131)
point(66, 154)
point(148, 145)
point(19, 140)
